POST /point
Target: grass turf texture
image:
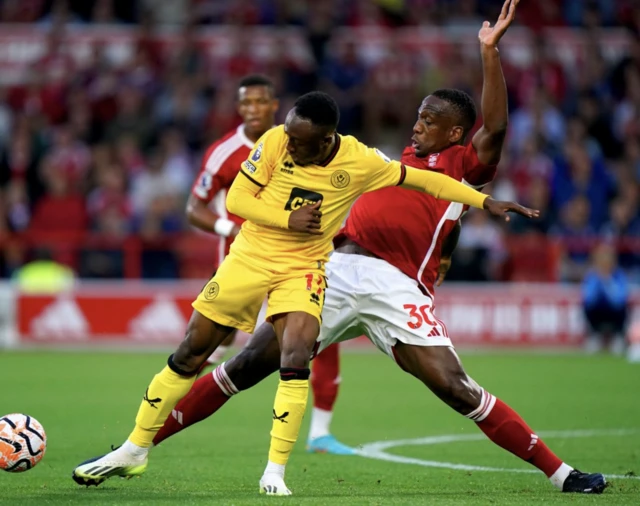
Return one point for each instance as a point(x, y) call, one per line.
point(87, 401)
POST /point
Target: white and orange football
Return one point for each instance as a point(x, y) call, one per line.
point(22, 442)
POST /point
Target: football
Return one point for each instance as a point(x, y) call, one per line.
point(22, 442)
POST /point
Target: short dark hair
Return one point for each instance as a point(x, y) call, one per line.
point(257, 80)
point(319, 108)
point(462, 104)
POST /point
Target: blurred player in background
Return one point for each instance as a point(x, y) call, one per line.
point(206, 209)
point(381, 277)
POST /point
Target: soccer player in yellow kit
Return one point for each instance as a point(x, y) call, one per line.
point(294, 190)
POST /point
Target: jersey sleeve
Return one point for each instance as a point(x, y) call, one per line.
point(381, 170)
point(259, 166)
point(476, 174)
point(210, 179)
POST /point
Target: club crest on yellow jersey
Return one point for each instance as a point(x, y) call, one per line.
point(340, 179)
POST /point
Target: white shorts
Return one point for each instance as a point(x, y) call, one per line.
point(369, 296)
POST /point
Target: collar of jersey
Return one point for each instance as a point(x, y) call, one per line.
point(243, 137)
point(334, 152)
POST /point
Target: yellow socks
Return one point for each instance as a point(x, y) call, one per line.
point(162, 395)
point(288, 411)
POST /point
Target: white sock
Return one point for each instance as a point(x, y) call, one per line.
point(320, 423)
point(273, 468)
point(134, 450)
point(223, 380)
point(218, 354)
point(557, 478)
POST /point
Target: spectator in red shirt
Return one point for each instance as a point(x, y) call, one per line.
point(60, 210)
point(68, 158)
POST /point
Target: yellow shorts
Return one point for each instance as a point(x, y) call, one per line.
point(234, 296)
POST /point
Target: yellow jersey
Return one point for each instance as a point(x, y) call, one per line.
point(351, 170)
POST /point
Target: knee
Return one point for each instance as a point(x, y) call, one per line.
point(298, 341)
point(461, 393)
point(295, 356)
point(192, 350)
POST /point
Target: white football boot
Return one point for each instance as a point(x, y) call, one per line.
point(273, 484)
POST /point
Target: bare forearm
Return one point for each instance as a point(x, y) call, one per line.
point(200, 216)
point(495, 112)
point(451, 241)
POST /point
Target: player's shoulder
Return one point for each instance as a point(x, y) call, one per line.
point(233, 138)
point(446, 159)
point(352, 147)
point(272, 141)
point(274, 134)
point(220, 150)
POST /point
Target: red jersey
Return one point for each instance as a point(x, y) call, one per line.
point(407, 227)
point(220, 166)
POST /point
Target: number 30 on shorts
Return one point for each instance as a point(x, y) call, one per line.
point(419, 315)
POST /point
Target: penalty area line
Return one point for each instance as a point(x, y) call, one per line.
point(377, 450)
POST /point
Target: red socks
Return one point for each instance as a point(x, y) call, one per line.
point(325, 378)
point(505, 428)
point(207, 395)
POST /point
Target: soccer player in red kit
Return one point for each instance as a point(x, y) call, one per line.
point(381, 278)
point(206, 210)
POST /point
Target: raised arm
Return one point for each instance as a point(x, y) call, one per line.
point(489, 139)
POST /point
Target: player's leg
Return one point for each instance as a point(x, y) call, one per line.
point(439, 368)
point(231, 299)
point(161, 396)
point(618, 324)
point(325, 380)
point(257, 360)
point(219, 353)
point(297, 333)
point(595, 338)
point(401, 323)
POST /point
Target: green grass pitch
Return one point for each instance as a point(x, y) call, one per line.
point(87, 401)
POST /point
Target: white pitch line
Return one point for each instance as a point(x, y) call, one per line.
point(376, 450)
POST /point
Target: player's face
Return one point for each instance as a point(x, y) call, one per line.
point(257, 107)
point(307, 143)
point(436, 128)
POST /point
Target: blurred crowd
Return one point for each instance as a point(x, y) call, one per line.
point(535, 14)
point(113, 149)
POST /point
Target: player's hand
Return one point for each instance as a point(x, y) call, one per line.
point(501, 208)
point(490, 36)
point(443, 268)
point(306, 219)
point(235, 231)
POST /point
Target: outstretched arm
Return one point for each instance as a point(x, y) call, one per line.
point(446, 188)
point(489, 139)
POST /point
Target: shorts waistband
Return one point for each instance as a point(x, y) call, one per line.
point(355, 259)
point(372, 263)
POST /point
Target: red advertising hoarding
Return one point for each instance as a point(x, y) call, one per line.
point(151, 315)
